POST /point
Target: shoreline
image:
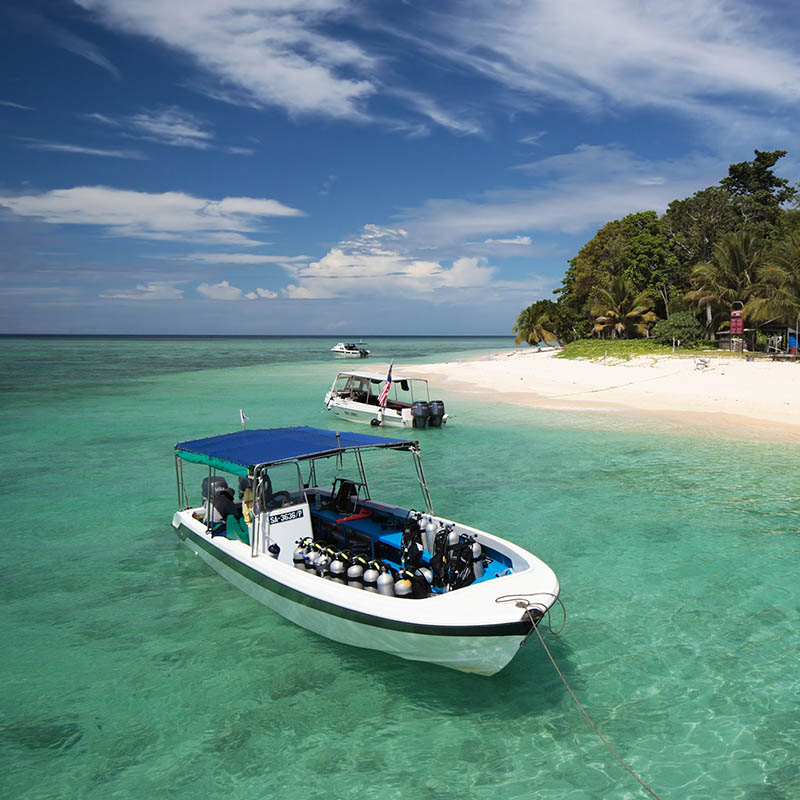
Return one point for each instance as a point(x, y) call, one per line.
point(757, 400)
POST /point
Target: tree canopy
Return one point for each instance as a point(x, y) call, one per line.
point(737, 240)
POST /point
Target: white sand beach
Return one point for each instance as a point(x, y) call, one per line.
point(759, 399)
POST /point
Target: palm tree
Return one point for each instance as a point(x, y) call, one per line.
point(536, 324)
point(779, 285)
point(729, 277)
point(618, 309)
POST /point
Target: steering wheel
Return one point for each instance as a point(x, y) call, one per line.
point(277, 500)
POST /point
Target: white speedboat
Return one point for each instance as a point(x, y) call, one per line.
point(360, 571)
point(355, 396)
point(350, 350)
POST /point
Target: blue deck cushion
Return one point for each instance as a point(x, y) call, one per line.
point(240, 451)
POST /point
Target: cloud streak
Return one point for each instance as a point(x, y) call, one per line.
point(150, 216)
point(61, 147)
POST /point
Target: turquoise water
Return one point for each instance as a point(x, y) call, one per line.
point(131, 670)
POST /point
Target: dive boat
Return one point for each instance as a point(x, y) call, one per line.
point(350, 350)
point(356, 397)
point(359, 571)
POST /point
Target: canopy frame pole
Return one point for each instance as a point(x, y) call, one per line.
point(209, 502)
point(179, 480)
point(423, 484)
point(363, 474)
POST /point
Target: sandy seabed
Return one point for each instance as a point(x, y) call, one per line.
point(754, 399)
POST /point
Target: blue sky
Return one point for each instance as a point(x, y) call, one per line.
point(357, 168)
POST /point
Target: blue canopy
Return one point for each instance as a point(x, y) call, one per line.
point(239, 452)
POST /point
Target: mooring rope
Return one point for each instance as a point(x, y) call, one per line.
point(521, 602)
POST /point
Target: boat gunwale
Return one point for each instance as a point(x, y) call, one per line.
point(520, 627)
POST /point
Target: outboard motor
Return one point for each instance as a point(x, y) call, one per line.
point(211, 488)
point(217, 482)
point(437, 414)
point(420, 411)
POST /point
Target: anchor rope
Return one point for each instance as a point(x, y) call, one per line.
point(521, 602)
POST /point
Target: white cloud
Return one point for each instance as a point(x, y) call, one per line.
point(154, 290)
point(9, 104)
point(572, 193)
point(373, 264)
point(171, 126)
point(169, 215)
point(522, 241)
point(273, 53)
point(60, 147)
point(224, 291)
point(594, 54)
point(242, 258)
point(220, 291)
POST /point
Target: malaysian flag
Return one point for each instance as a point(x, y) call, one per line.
point(385, 391)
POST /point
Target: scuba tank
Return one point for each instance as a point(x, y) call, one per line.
point(321, 565)
point(274, 550)
point(310, 556)
point(337, 569)
point(430, 534)
point(477, 559)
point(452, 536)
point(371, 577)
point(355, 572)
point(354, 576)
point(385, 582)
point(298, 557)
point(412, 583)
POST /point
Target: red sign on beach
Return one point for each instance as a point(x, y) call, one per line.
point(737, 323)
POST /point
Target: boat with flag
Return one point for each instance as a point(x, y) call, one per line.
point(308, 540)
point(375, 399)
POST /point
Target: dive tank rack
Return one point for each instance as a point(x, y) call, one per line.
point(457, 560)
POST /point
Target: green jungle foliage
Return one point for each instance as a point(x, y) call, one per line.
point(624, 349)
point(681, 326)
point(734, 242)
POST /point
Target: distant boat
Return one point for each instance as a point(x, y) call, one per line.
point(354, 396)
point(350, 350)
point(360, 571)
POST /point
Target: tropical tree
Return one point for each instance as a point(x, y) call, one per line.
point(757, 192)
point(537, 323)
point(730, 276)
point(620, 311)
point(778, 294)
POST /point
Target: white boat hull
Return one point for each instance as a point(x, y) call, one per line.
point(368, 414)
point(437, 630)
